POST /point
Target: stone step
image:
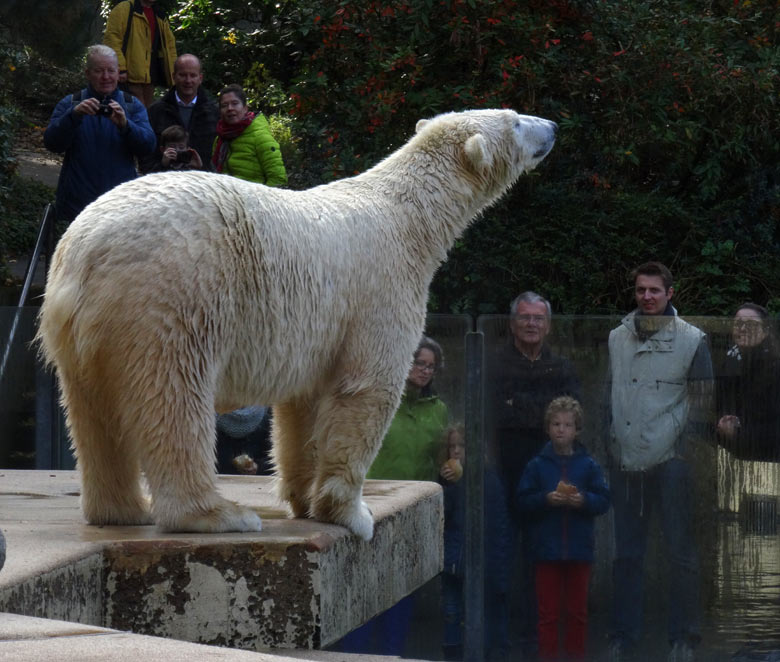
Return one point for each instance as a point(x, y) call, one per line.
point(298, 584)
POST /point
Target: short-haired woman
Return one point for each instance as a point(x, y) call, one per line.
point(244, 146)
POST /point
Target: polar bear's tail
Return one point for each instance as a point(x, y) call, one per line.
point(55, 329)
point(58, 321)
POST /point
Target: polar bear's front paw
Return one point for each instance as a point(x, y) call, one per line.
point(243, 520)
point(361, 523)
point(353, 514)
point(225, 516)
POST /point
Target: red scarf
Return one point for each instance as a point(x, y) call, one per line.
point(225, 134)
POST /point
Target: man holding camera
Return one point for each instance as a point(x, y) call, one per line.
point(189, 105)
point(101, 130)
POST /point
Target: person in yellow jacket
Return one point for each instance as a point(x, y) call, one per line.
point(141, 37)
point(244, 146)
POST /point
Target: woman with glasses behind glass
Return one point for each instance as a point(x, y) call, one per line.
point(409, 451)
point(749, 388)
point(411, 446)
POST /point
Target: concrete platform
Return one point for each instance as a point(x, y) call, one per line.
point(298, 584)
point(28, 639)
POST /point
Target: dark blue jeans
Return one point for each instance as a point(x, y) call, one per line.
point(495, 616)
point(452, 609)
point(528, 633)
point(385, 634)
point(666, 489)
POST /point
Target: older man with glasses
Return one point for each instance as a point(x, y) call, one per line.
point(524, 376)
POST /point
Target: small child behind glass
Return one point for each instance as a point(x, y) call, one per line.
point(497, 551)
point(563, 489)
point(176, 152)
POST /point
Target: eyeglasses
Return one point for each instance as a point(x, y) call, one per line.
point(748, 324)
point(425, 367)
point(527, 319)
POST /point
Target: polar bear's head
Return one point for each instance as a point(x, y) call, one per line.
point(495, 146)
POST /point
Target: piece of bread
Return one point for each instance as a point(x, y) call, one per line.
point(245, 464)
point(566, 488)
point(456, 467)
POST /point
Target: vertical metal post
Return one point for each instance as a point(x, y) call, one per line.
point(52, 444)
point(45, 408)
point(63, 455)
point(474, 585)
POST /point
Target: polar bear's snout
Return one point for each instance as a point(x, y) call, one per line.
point(537, 132)
point(549, 130)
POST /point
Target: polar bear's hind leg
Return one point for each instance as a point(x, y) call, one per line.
point(177, 430)
point(294, 454)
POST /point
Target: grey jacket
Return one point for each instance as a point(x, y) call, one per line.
point(655, 381)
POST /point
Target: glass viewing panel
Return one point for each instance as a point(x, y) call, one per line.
point(733, 479)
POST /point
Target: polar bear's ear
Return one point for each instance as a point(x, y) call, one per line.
point(420, 125)
point(476, 151)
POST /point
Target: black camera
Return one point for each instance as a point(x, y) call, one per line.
point(183, 156)
point(104, 108)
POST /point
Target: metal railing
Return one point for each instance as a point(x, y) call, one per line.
point(42, 242)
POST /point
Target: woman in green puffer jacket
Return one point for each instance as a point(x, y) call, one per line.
point(244, 146)
point(411, 446)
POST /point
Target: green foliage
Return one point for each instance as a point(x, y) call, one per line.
point(26, 201)
point(59, 31)
point(8, 119)
point(668, 147)
point(37, 84)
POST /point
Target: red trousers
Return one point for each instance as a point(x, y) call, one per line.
point(562, 591)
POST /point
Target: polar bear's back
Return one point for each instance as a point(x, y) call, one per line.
point(265, 272)
point(201, 251)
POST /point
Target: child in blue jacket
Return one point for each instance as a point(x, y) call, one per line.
point(564, 489)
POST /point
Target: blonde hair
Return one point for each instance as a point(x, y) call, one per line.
point(561, 405)
point(444, 447)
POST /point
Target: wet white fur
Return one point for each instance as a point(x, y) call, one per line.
point(179, 294)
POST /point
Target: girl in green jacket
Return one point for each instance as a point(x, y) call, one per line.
point(244, 146)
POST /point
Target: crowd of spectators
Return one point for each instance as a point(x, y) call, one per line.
point(116, 128)
point(664, 397)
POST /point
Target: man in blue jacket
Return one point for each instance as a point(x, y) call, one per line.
point(101, 130)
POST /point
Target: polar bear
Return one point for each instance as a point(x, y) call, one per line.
point(180, 294)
